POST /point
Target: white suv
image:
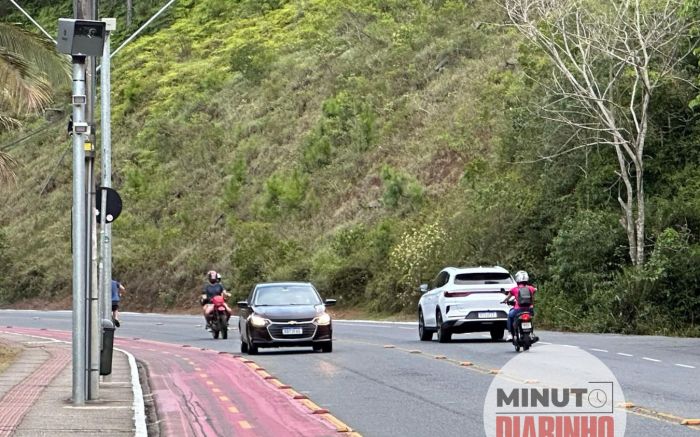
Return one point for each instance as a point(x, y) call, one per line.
point(462, 300)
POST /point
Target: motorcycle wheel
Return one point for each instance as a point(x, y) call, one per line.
point(223, 325)
point(215, 332)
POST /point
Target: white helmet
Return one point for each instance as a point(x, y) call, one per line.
point(522, 276)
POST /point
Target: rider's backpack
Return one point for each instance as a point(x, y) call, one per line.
point(524, 296)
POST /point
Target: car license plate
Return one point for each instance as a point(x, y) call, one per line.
point(527, 325)
point(292, 331)
point(488, 315)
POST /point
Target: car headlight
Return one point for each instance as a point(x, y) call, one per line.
point(323, 319)
point(258, 321)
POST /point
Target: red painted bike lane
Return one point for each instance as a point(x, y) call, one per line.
point(201, 392)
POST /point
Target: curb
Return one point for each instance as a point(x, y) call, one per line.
point(141, 430)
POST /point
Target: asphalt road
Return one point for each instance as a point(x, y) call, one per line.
point(382, 381)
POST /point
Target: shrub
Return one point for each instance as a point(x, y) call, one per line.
point(399, 189)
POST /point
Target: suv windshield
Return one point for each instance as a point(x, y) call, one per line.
point(483, 278)
point(287, 295)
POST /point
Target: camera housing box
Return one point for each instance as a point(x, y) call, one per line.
point(80, 37)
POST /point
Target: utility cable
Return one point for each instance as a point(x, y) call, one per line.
point(53, 172)
point(29, 135)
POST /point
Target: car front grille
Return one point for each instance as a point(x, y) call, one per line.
point(276, 328)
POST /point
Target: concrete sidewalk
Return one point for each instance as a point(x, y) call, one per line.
point(36, 390)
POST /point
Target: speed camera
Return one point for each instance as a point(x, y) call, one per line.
point(80, 37)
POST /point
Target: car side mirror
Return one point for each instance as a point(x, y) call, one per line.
point(329, 302)
point(423, 288)
point(242, 304)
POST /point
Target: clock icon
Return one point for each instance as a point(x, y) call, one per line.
point(597, 398)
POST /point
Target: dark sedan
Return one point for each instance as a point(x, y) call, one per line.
point(281, 314)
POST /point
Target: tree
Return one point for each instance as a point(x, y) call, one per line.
point(29, 66)
point(608, 59)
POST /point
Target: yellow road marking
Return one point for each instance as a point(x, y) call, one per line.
point(233, 409)
point(216, 390)
point(223, 398)
point(244, 424)
point(210, 382)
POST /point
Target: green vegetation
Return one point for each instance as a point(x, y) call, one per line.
point(361, 145)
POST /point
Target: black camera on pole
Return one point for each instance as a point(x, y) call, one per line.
point(80, 37)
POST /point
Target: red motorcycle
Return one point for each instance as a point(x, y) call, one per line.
point(218, 317)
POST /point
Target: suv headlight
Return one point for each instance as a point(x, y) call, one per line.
point(258, 321)
point(323, 319)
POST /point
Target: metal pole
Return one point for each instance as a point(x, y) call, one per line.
point(78, 234)
point(94, 314)
point(106, 229)
point(87, 9)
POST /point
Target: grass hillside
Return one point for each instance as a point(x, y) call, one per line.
point(358, 144)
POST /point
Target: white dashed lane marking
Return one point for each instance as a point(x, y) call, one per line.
point(685, 366)
point(598, 350)
point(624, 354)
point(651, 359)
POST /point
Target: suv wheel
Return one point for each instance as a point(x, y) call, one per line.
point(497, 334)
point(425, 334)
point(443, 334)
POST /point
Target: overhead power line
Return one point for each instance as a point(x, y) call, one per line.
point(31, 134)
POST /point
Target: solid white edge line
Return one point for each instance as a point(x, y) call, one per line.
point(375, 322)
point(651, 359)
point(139, 408)
point(685, 365)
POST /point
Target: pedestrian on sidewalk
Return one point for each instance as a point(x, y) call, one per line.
point(117, 290)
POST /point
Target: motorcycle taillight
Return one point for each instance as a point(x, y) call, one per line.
point(525, 317)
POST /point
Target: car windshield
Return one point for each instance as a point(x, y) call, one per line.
point(286, 295)
point(483, 278)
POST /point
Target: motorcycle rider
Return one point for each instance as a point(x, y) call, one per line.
point(522, 279)
point(213, 288)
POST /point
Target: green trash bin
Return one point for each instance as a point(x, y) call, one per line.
point(107, 347)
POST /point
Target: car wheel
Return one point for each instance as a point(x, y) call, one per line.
point(244, 347)
point(424, 333)
point(252, 349)
point(497, 334)
point(327, 347)
point(443, 334)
